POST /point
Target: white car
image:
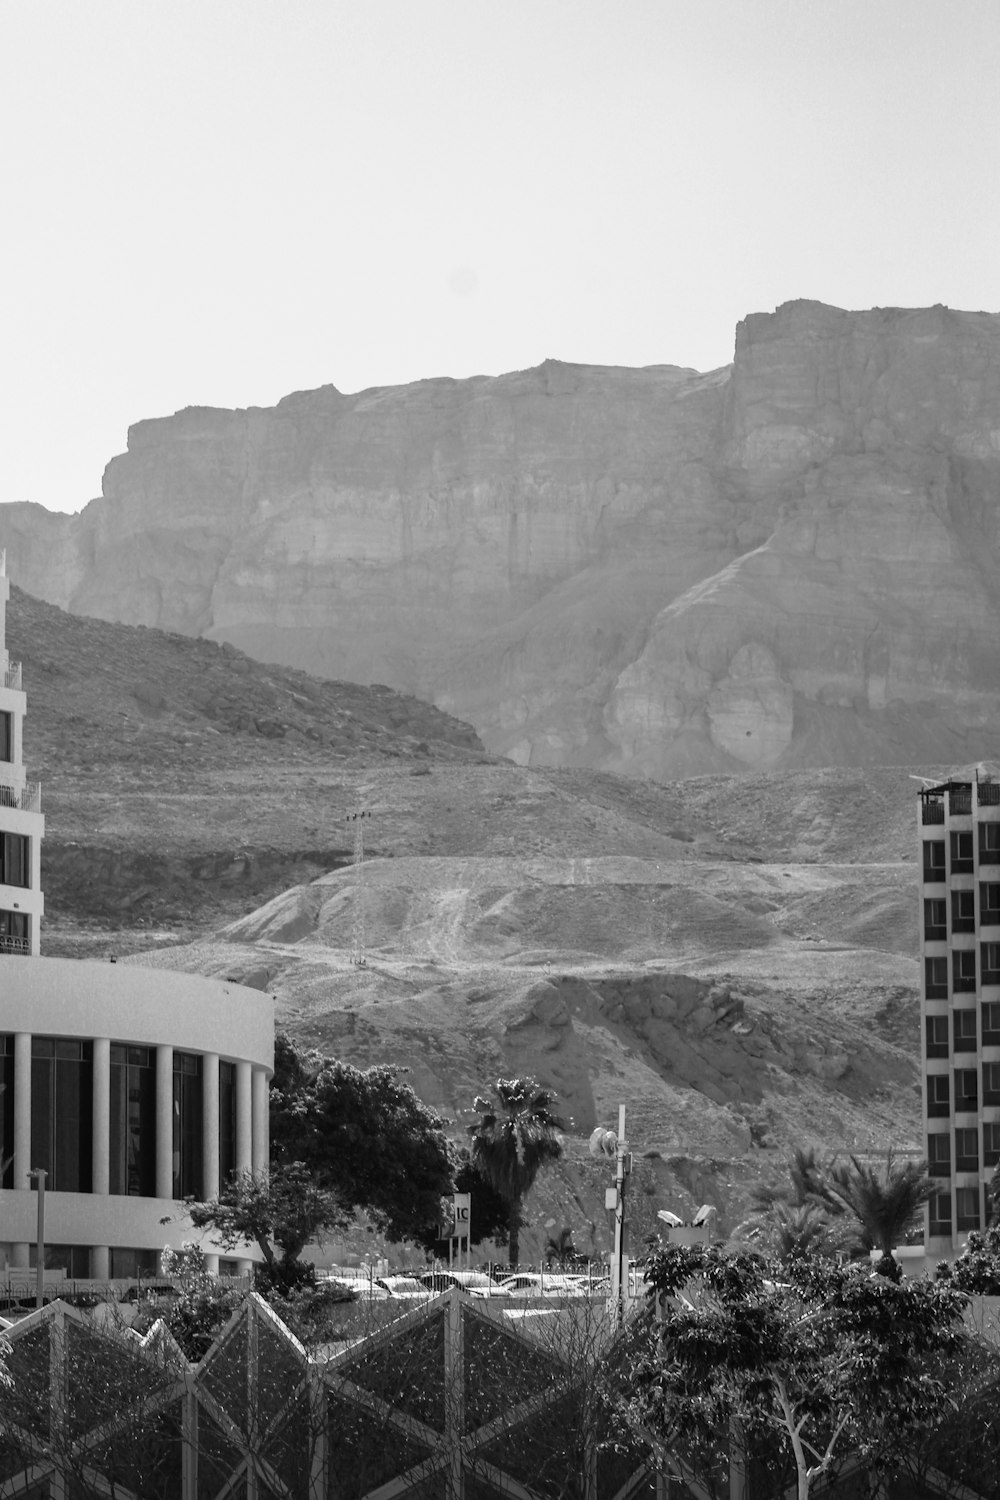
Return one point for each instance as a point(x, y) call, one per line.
point(476, 1283)
point(541, 1284)
point(409, 1288)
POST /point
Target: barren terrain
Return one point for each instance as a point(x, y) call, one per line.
point(734, 958)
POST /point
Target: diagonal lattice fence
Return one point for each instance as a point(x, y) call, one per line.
point(447, 1402)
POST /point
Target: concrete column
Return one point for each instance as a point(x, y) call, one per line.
point(260, 1131)
point(210, 1125)
point(19, 1250)
point(102, 1115)
point(164, 1122)
point(244, 1118)
point(100, 1263)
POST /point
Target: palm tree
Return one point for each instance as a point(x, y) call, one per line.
point(512, 1140)
point(885, 1203)
point(788, 1231)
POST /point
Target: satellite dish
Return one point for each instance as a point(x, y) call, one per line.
point(705, 1212)
point(668, 1218)
point(603, 1142)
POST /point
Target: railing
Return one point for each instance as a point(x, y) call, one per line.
point(20, 947)
point(988, 793)
point(932, 812)
point(27, 798)
point(10, 676)
point(960, 799)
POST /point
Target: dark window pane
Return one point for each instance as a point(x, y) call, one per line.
point(7, 1112)
point(187, 1144)
point(936, 1031)
point(933, 859)
point(6, 736)
point(227, 1120)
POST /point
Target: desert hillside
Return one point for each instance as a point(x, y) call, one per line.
point(732, 957)
point(787, 562)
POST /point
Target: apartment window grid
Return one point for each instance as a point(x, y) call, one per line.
point(963, 911)
point(6, 1111)
point(966, 1030)
point(936, 1036)
point(939, 1154)
point(991, 1085)
point(967, 1208)
point(938, 1096)
point(990, 1011)
point(936, 978)
point(989, 843)
point(940, 1220)
point(960, 849)
point(991, 1143)
point(934, 861)
point(967, 1149)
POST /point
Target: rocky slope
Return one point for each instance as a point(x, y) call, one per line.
point(731, 957)
point(788, 562)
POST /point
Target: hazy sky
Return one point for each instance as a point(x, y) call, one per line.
point(216, 202)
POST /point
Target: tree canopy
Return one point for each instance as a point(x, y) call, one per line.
point(815, 1358)
point(364, 1135)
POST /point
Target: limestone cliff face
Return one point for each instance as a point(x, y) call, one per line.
point(790, 561)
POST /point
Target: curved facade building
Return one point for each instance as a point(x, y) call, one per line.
point(131, 1088)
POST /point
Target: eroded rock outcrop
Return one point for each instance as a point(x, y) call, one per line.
point(791, 561)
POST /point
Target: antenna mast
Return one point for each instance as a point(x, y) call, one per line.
point(358, 955)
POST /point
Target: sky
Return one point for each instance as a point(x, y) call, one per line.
point(217, 202)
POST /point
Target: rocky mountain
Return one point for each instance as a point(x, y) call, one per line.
point(733, 958)
point(787, 562)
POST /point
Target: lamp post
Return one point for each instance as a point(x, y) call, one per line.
point(39, 1175)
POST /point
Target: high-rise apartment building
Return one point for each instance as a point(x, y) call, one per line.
point(21, 821)
point(960, 1006)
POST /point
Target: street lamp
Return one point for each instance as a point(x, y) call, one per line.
point(39, 1175)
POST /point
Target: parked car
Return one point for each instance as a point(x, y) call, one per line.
point(542, 1284)
point(476, 1283)
point(410, 1288)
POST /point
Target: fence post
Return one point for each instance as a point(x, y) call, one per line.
point(454, 1396)
point(189, 1439)
point(316, 1397)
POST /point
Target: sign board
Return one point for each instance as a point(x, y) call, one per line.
point(461, 1211)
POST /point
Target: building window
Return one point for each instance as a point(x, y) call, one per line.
point(964, 1022)
point(6, 736)
point(933, 860)
point(227, 1121)
point(939, 1154)
point(14, 932)
point(129, 1264)
point(967, 1150)
point(991, 1084)
point(15, 865)
point(936, 978)
point(991, 1023)
point(6, 1111)
point(940, 1214)
point(936, 921)
point(967, 1208)
point(966, 1089)
point(936, 1034)
point(938, 1096)
point(989, 843)
point(61, 1117)
point(963, 970)
point(989, 904)
point(187, 1125)
point(132, 1136)
point(961, 852)
point(990, 958)
point(991, 1143)
point(73, 1259)
point(963, 911)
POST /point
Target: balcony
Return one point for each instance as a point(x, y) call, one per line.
point(10, 676)
point(18, 946)
point(960, 800)
point(988, 793)
point(932, 812)
point(27, 798)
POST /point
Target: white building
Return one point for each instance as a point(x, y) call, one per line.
point(132, 1088)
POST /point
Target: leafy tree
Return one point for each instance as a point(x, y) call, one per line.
point(490, 1217)
point(280, 1211)
point(818, 1359)
point(885, 1203)
point(808, 1185)
point(364, 1135)
point(977, 1270)
point(515, 1136)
